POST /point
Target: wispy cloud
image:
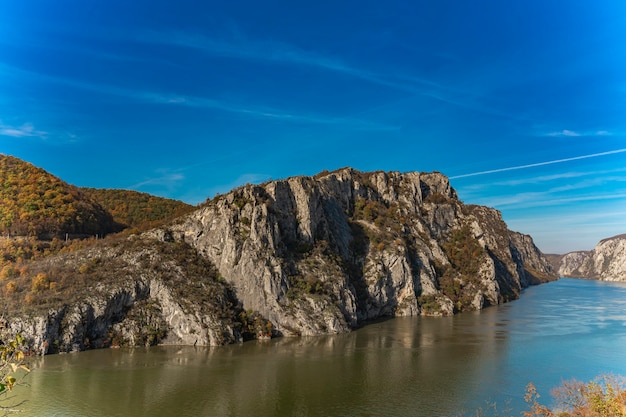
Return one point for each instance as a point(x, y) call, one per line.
point(562, 231)
point(572, 133)
point(25, 130)
point(538, 164)
point(564, 132)
point(259, 112)
point(546, 199)
point(238, 46)
point(163, 179)
point(153, 97)
point(288, 54)
point(250, 178)
point(546, 178)
point(575, 217)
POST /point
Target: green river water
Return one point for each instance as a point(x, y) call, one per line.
point(399, 367)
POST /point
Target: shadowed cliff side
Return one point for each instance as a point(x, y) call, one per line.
point(301, 256)
point(324, 254)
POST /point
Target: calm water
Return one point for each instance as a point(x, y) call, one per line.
point(401, 367)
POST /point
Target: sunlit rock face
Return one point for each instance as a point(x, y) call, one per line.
point(606, 262)
point(140, 291)
point(301, 256)
point(324, 254)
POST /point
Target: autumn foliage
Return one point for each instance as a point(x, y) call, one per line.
point(605, 396)
point(137, 210)
point(36, 203)
point(41, 215)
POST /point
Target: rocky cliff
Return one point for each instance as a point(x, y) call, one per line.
point(607, 261)
point(129, 292)
point(301, 256)
point(325, 254)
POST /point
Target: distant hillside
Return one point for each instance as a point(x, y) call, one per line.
point(36, 203)
point(137, 210)
point(606, 262)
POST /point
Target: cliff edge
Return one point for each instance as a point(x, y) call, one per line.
point(606, 262)
point(324, 254)
point(300, 256)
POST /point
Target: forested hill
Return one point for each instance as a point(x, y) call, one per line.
point(137, 210)
point(34, 202)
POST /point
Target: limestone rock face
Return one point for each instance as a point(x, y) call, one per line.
point(571, 262)
point(300, 256)
point(606, 262)
point(140, 295)
point(324, 254)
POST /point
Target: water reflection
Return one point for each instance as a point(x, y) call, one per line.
point(408, 366)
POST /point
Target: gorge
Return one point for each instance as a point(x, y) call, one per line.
point(606, 262)
point(300, 256)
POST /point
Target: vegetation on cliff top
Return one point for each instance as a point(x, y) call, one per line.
point(92, 270)
point(71, 276)
point(38, 211)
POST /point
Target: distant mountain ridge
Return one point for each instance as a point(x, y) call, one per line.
point(606, 262)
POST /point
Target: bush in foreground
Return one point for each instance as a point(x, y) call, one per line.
point(11, 366)
point(605, 396)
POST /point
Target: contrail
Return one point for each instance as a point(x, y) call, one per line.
point(538, 164)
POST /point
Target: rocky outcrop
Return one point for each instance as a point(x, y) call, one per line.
point(301, 256)
point(326, 254)
point(606, 262)
point(136, 292)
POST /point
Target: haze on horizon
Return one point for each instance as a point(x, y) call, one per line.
point(521, 104)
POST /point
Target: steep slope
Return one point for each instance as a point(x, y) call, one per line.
point(36, 203)
point(302, 256)
point(134, 209)
point(124, 292)
point(607, 261)
point(325, 254)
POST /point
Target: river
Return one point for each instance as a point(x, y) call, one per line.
point(400, 367)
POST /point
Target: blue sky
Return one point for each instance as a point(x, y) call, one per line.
point(521, 103)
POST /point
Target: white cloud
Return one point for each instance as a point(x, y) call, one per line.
point(564, 132)
point(573, 134)
point(197, 102)
point(544, 199)
point(256, 112)
point(287, 54)
point(166, 179)
point(566, 231)
point(556, 177)
point(25, 130)
point(281, 53)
